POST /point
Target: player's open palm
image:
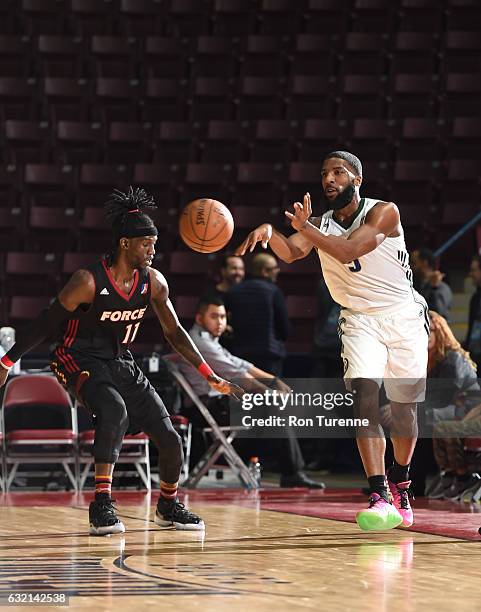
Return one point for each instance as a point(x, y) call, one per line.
point(225, 387)
point(261, 234)
point(301, 213)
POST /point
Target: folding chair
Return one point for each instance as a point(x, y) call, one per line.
point(40, 445)
point(222, 437)
point(135, 451)
point(2, 461)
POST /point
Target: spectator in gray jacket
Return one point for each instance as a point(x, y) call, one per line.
point(210, 323)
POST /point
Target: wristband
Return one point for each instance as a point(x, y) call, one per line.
point(6, 362)
point(205, 370)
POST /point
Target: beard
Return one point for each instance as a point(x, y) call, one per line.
point(341, 200)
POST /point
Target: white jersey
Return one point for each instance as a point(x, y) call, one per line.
point(376, 282)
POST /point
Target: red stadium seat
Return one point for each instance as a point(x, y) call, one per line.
point(280, 17)
point(414, 95)
point(165, 100)
point(212, 99)
point(26, 308)
point(161, 180)
point(165, 57)
point(225, 141)
point(462, 52)
point(113, 56)
point(98, 180)
point(117, 99)
point(129, 142)
point(43, 16)
point(215, 56)
point(188, 18)
point(421, 15)
point(373, 139)
point(91, 17)
point(14, 56)
point(75, 261)
point(233, 18)
point(78, 142)
point(465, 138)
point(141, 17)
point(205, 180)
point(264, 56)
point(415, 52)
point(175, 142)
point(320, 136)
point(260, 97)
point(258, 184)
point(363, 95)
point(66, 98)
point(60, 56)
point(364, 53)
point(33, 399)
point(310, 96)
point(314, 54)
point(188, 272)
point(27, 141)
point(52, 229)
point(463, 94)
point(31, 273)
point(18, 98)
point(463, 15)
point(274, 140)
point(49, 185)
point(413, 181)
point(421, 139)
point(373, 16)
point(327, 16)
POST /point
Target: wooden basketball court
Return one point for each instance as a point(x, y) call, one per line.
point(260, 552)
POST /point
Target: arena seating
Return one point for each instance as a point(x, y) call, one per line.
point(233, 99)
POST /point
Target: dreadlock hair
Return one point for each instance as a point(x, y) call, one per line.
point(351, 159)
point(445, 341)
point(124, 212)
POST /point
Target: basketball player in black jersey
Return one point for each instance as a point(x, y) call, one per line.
point(96, 318)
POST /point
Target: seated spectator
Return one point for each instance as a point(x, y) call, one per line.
point(452, 391)
point(456, 410)
point(473, 337)
point(429, 282)
point(210, 322)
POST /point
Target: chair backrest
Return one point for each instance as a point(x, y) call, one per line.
point(31, 390)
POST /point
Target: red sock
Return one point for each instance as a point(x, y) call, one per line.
point(168, 490)
point(103, 484)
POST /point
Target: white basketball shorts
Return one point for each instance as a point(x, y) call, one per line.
point(390, 348)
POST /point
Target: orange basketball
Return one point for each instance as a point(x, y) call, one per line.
point(206, 225)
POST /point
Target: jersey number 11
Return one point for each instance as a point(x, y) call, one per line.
point(131, 333)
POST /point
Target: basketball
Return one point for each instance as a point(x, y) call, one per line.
point(206, 225)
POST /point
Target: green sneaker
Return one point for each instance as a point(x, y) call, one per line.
point(379, 516)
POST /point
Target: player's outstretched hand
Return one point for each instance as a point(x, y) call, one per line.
point(3, 375)
point(225, 387)
point(261, 234)
point(301, 213)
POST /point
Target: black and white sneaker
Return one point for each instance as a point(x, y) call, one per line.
point(103, 519)
point(174, 514)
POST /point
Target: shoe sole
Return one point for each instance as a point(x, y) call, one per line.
point(107, 530)
point(180, 526)
point(368, 521)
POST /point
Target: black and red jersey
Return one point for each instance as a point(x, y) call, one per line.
point(106, 328)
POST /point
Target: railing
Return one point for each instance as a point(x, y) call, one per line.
point(468, 225)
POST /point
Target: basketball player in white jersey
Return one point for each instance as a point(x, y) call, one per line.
point(383, 322)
